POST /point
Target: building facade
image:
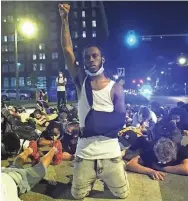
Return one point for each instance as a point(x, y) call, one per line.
point(40, 57)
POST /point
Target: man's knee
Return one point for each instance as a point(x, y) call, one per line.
point(79, 194)
point(124, 194)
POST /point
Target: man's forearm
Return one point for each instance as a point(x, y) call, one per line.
point(177, 169)
point(65, 34)
point(138, 168)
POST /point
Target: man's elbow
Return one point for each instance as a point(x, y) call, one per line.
point(67, 50)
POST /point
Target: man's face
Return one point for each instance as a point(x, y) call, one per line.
point(93, 59)
point(38, 116)
point(60, 74)
point(176, 118)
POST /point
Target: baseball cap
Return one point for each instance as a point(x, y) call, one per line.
point(128, 138)
point(9, 191)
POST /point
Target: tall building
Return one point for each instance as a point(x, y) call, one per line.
point(40, 57)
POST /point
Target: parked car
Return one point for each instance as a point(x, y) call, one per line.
point(7, 94)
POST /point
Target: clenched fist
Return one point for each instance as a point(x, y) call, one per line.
point(64, 10)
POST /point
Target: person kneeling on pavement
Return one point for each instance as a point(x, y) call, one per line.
point(164, 156)
point(16, 180)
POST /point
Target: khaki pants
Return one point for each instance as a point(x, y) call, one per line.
point(111, 171)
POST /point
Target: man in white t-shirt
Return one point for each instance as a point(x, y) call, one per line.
point(61, 81)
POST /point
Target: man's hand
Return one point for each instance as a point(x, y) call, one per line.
point(185, 132)
point(64, 10)
point(157, 175)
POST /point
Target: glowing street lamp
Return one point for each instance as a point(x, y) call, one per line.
point(28, 28)
point(141, 81)
point(182, 60)
point(162, 72)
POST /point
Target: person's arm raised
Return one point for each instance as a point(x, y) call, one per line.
point(66, 40)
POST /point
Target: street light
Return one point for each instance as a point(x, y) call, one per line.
point(148, 78)
point(182, 60)
point(162, 72)
point(134, 81)
point(27, 28)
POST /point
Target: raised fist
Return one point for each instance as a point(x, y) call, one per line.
point(64, 10)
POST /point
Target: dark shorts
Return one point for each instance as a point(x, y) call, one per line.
point(33, 174)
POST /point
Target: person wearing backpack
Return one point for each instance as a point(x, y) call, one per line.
point(101, 111)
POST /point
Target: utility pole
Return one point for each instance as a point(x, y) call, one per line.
point(16, 61)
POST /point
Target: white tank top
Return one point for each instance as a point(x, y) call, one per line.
point(101, 102)
point(96, 147)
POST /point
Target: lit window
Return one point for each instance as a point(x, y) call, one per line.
point(41, 46)
point(34, 56)
point(4, 19)
point(41, 82)
point(42, 67)
point(5, 68)
point(6, 82)
point(83, 23)
point(94, 23)
point(12, 81)
point(34, 67)
point(84, 34)
point(5, 38)
point(94, 34)
point(4, 48)
point(21, 82)
point(93, 13)
point(83, 13)
point(28, 81)
point(42, 56)
point(54, 55)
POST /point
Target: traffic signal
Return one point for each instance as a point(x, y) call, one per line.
point(131, 39)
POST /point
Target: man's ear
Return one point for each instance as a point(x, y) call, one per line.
point(103, 60)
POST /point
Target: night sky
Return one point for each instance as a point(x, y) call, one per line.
point(145, 18)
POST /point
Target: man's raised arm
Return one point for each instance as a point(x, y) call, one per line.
point(66, 40)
